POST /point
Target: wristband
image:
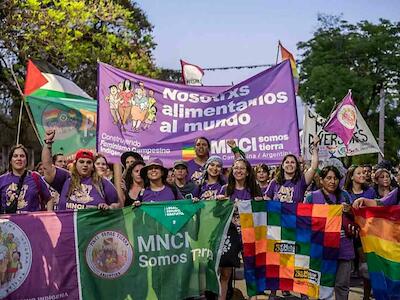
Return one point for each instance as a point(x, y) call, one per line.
point(47, 142)
point(235, 149)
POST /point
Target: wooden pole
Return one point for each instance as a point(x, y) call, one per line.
point(118, 183)
point(277, 53)
point(26, 107)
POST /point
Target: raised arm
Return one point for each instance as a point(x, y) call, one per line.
point(237, 152)
point(309, 175)
point(49, 168)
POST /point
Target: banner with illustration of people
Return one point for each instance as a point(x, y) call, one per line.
point(116, 254)
point(161, 120)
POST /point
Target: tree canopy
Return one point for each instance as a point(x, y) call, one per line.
point(364, 57)
point(72, 36)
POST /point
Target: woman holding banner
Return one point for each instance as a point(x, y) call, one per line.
point(241, 185)
point(83, 187)
point(357, 186)
point(20, 189)
point(331, 193)
point(290, 184)
point(156, 188)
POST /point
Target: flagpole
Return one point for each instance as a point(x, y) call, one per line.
point(381, 124)
point(277, 52)
point(19, 121)
point(23, 103)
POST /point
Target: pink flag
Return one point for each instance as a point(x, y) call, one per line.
point(191, 74)
point(343, 120)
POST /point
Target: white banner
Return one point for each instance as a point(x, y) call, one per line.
point(363, 141)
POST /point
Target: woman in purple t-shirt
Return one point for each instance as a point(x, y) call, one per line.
point(20, 189)
point(83, 187)
point(196, 165)
point(212, 180)
point(331, 193)
point(290, 184)
point(262, 176)
point(156, 188)
point(356, 184)
point(241, 185)
point(393, 198)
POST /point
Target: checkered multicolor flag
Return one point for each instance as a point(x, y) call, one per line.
point(290, 247)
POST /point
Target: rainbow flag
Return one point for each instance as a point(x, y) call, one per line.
point(285, 54)
point(188, 152)
point(290, 246)
point(380, 237)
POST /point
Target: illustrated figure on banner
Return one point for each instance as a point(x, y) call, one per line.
point(137, 105)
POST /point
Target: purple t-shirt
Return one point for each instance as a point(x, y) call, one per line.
point(88, 196)
point(209, 191)
point(263, 189)
point(237, 194)
point(195, 171)
point(166, 194)
point(346, 250)
point(369, 193)
point(390, 199)
point(289, 191)
point(29, 196)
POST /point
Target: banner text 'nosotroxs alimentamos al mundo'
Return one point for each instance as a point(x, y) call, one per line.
point(162, 119)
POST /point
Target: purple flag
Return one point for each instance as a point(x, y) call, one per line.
point(38, 256)
point(160, 119)
point(343, 120)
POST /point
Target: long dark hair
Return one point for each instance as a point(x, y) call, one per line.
point(280, 174)
point(11, 153)
point(324, 172)
point(129, 178)
point(348, 182)
point(250, 181)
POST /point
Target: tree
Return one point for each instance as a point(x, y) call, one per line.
point(364, 57)
point(72, 36)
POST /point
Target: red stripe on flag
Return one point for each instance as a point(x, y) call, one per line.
point(34, 79)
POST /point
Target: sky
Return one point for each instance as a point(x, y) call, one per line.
point(221, 33)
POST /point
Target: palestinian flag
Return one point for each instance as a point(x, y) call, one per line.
point(43, 79)
point(57, 102)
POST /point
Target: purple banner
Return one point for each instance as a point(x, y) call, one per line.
point(38, 257)
point(162, 119)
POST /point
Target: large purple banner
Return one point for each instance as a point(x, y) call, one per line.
point(38, 256)
point(162, 119)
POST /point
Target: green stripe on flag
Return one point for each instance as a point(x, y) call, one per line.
point(56, 94)
point(377, 263)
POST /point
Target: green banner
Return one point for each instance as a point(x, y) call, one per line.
point(74, 120)
point(166, 250)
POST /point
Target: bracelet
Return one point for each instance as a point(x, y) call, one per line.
point(235, 149)
point(47, 142)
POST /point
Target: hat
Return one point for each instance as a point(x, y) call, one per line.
point(211, 159)
point(380, 171)
point(181, 163)
point(337, 164)
point(155, 162)
point(84, 153)
point(125, 155)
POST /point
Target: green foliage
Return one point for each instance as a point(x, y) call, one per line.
point(364, 57)
point(72, 35)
